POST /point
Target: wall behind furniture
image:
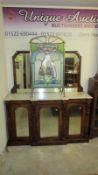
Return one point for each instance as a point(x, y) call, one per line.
point(3, 88)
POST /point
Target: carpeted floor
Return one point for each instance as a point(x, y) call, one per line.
point(70, 159)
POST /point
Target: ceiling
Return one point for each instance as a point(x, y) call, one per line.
point(74, 3)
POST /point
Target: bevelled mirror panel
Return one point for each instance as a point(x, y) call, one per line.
point(75, 120)
point(22, 126)
point(49, 122)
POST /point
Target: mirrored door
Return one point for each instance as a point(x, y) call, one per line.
point(49, 122)
point(22, 122)
point(75, 118)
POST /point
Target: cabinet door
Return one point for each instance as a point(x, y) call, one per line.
point(19, 122)
point(49, 122)
point(78, 120)
point(22, 121)
point(75, 120)
point(49, 126)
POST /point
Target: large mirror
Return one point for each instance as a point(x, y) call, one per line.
point(22, 65)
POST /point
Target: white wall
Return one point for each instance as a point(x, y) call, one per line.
point(3, 89)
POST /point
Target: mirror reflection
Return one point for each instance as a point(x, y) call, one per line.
point(72, 70)
point(49, 122)
point(21, 116)
point(75, 120)
point(23, 70)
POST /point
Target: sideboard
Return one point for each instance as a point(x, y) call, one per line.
point(47, 118)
